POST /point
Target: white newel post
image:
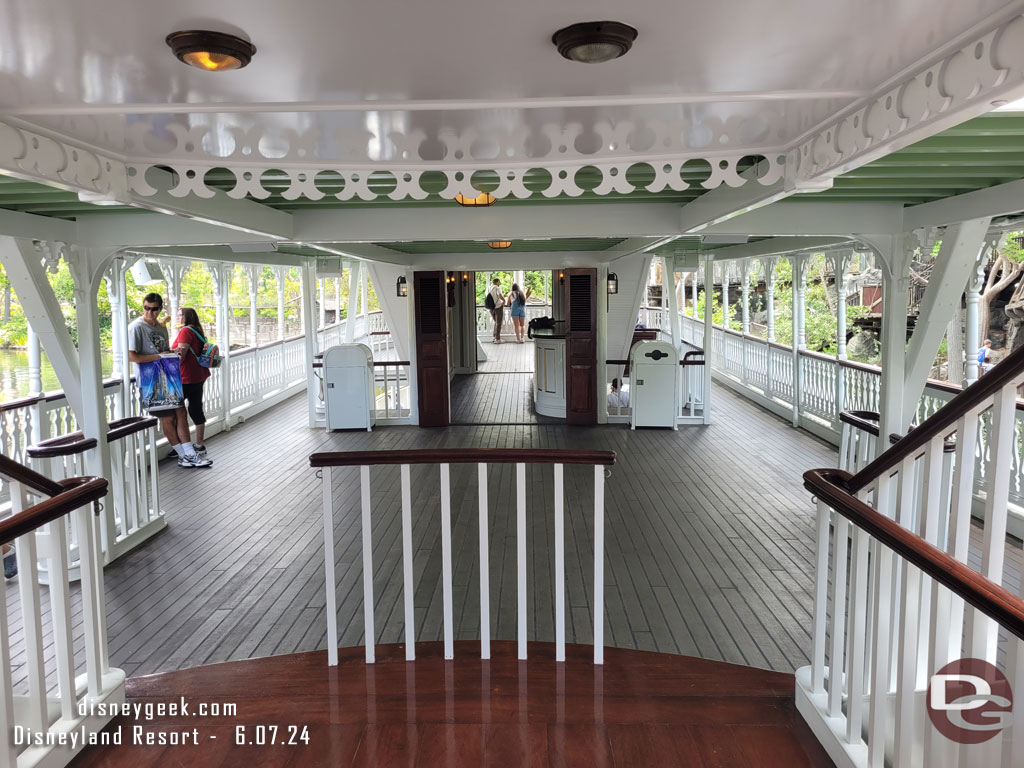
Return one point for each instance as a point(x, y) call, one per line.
point(841, 262)
point(799, 262)
point(308, 274)
point(279, 275)
point(337, 293)
point(972, 331)
point(252, 274)
point(745, 311)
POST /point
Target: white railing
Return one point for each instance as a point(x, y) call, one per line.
point(331, 464)
point(132, 514)
point(54, 667)
point(391, 401)
point(886, 616)
point(763, 371)
point(485, 323)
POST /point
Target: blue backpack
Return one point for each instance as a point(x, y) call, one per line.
point(209, 356)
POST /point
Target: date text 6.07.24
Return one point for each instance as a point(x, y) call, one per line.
point(261, 735)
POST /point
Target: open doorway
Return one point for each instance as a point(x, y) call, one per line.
point(501, 391)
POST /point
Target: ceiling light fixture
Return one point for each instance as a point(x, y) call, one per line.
point(211, 51)
point(499, 244)
point(480, 201)
point(593, 42)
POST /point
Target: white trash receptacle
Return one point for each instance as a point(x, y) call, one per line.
point(348, 387)
point(654, 384)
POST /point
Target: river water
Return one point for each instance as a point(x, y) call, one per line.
point(14, 373)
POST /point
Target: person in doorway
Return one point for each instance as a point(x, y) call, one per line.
point(617, 398)
point(517, 301)
point(189, 344)
point(147, 340)
point(497, 307)
point(985, 356)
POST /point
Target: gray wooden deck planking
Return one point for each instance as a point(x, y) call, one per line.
point(709, 543)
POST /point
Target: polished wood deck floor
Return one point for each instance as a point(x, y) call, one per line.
point(639, 710)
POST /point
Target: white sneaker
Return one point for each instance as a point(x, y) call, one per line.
point(194, 461)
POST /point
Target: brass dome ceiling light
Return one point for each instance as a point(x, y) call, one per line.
point(499, 244)
point(482, 200)
point(594, 42)
point(211, 51)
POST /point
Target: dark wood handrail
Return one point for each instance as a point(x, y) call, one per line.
point(69, 497)
point(942, 421)
point(12, 471)
point(866, 421)
point(996, 602)
point(66, 445)
point(462, 456)
point(385, 363)
point(128, 426)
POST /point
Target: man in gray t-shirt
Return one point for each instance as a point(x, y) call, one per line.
point(147, 339)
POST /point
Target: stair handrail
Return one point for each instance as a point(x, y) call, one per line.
point(64, 496)
point(990, 598)
point(941, 421)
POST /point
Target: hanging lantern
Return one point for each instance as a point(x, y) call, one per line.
point(613, 283)
point(402, 287)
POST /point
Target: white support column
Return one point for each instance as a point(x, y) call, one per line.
point(354, 279)
point(221, 272)
point(364, 294)
point(119, 331)
point(174, 274)
point(86, 267)
point(894, 257)
point(962, 245)
point(279, 275)
point(799, 273)
point(745, 297)
point(769, 290)
point(337, 292)
point(725, 294)
point(709, 346)
point(35, 364)
point(693, 290)
point(972, 331)
point(668, 283)
point(308, 273)
point(841, 262)
point(323, 309)
point(252, 274)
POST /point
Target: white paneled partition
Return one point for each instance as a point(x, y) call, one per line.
point(443, 459)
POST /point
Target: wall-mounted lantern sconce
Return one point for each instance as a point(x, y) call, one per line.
point(402, 287)
point(561, 278)
point(613, 283)
point(465, 278)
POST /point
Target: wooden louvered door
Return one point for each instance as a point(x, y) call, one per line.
point(431, 349)
point(580, 346)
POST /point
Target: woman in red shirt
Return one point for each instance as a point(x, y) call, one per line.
point(188, 344)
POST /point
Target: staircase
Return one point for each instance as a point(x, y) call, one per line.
point(896, 601)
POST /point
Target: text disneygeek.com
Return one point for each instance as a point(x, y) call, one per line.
point(118, 733)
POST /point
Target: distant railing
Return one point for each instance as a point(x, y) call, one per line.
point(485, 323)
point(78, 704)
point(331, 462)
point(764, 372)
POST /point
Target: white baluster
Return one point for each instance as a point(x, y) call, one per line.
point(370, 633)
point(559, 585)
point(598, 564)
point(485, 565)
point(521, 557)
point(446, 562)
point(820, 599)
point(31, 613)
point(8, 755)
point(408, 592)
